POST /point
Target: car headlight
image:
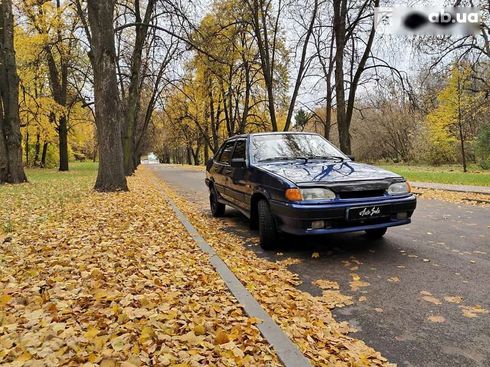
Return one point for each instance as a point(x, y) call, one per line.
point(399, 188)
point(312, 194)
point(317, 194)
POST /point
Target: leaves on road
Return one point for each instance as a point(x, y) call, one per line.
point(432, 299)
point(357, 283)
point(305, 318)
point(436, 319)
point(454, 197)
point(326, 284)
point(473, 311)
point(453, 299)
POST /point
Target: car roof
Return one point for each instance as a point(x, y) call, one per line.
point(244, 136)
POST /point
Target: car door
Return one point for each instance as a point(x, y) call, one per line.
point(238, 182)
point(223, 170)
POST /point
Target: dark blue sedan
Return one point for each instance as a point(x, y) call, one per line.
point(299, 183)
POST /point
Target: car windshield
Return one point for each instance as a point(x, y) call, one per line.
point(282, 147)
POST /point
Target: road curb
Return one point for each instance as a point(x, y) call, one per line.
point(286, 350)
point(482, 190)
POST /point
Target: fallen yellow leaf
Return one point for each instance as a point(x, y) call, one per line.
point(436, 319)
point(107, 363)
point(221, 337)
point(199, 330)
point(4, 299)
point(91, 332)
point(453, 299)
point(473, 311)
point(432, 299)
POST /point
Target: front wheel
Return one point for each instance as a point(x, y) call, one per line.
point(267, 226)
point(217, 208)
point(376, 233)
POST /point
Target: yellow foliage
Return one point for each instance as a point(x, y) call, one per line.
point(39, 112)
point(452, 113)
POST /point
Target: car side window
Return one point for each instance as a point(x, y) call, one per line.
point(218, 153)
point(226, 154)
point(240, 149)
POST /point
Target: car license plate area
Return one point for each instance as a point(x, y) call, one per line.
point(368, 212)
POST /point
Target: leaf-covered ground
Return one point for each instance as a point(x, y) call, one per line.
point(454, 197)
point(305, 318)
point(111, 279)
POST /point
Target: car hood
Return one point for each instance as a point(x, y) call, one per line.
point(328, 172)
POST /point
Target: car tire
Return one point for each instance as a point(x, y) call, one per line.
point(376, 233)
point(217, 208)
point(267, 226)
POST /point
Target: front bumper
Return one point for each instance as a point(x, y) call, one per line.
point(297, 218)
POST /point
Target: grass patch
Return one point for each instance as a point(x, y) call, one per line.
point(77, 170)
point(442, 174)
point(45, 195)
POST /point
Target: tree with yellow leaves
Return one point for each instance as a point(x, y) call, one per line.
point(452, 123)
point(52, 25)
point(51, 105)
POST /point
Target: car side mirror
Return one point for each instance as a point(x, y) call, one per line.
point(238, 162)
point(351, 157)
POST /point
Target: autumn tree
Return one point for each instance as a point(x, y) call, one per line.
point(131, 102)
point(354, 36)
point(453, 121)
point(36, 106)
point(50, 65)
point(11, 168)
point(147, 42)
point(307, 24)
point(99, 30)
point(55, 23)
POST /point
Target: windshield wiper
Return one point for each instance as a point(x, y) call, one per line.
point(327, 157)
point(283, 159)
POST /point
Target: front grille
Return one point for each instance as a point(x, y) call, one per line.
point(360, 194)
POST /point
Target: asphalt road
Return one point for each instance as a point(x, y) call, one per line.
point(445, 252)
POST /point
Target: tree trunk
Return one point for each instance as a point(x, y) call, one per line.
point(37, 149)
point(132, 104)
point(460, 126)
point(58, 81)
point(345, 110)
point(11, 168)
point(136, 160)
point(206, 151)
point(108, 118)
point(302, 67)
point(189, 155)
point(26, 150)
point(340, 10)
point(260, 27)
point(246, 103)
point(43, 155)
point(63, 143)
